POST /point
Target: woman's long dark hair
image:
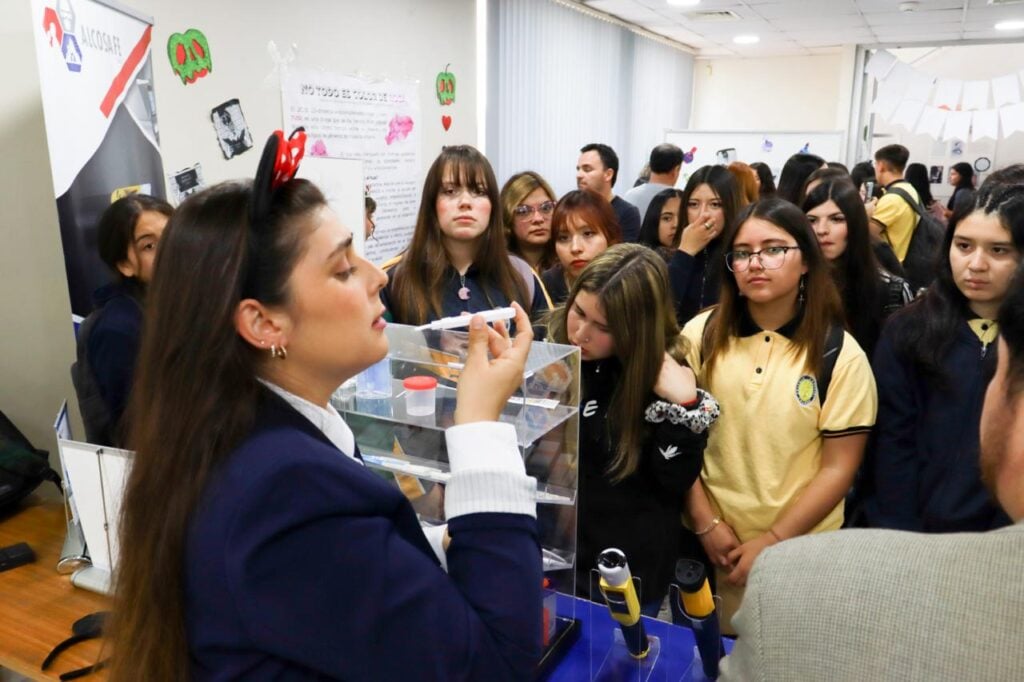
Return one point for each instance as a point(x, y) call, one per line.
point(966, 173)
point(855, 272)
point(650, 230)
point(115, 233)
point(794, 175)
point(917, 175)
point(418, 279)
point(194, 400)
point(764, 174)
point(931, 322)
point(821, 309)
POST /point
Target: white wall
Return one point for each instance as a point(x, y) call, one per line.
point(36, 336)
point(773, 93)
point(398, 38)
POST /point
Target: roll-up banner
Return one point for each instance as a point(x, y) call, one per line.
point(96, 78)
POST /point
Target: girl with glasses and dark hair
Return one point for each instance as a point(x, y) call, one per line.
point(128, 234)
point(933, 362)
point(254, 542)
point(582, 227)
point(457, 260)
point(869, 293)
point(527, 202)
point(782, 456)
point(660, 229)
point(711, 199)
point(643, 431)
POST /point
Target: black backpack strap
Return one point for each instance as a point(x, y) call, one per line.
point(902, 194)
point(833, 346)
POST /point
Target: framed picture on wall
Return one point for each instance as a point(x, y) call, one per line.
point(935, 174)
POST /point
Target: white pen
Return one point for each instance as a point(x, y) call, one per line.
point(457, 321)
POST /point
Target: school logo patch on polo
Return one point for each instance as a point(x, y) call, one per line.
point(806, 389)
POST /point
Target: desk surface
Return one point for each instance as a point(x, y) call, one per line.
point(38, 606)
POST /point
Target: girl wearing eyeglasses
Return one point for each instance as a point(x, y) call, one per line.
point(582, 227)
point(643, 423)
point(457, 260)
point(780, 459)
point(527, 202)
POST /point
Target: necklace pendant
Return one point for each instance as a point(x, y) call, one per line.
point(464, 293)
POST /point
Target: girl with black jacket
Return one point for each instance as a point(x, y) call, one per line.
point(644, 422)
point(933, 363)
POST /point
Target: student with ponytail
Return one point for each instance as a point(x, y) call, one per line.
point(254, 543)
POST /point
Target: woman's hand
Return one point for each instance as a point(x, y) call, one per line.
point(719, 543)
point(743, 557)
point(486, 383)
point(698, 234)
point(676, 383)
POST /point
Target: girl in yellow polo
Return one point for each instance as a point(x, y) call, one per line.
point(780, 459)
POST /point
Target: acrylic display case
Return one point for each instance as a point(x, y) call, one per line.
point(410, 448)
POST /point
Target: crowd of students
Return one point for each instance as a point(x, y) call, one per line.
point(755, 364)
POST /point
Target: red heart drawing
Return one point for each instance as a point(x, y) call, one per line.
point(446, 121)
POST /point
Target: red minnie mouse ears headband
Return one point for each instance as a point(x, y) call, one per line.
point(278, 165)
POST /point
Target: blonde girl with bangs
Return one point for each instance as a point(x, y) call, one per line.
point(527, 202)
point(781, 458)
point(458, 260)
point(643, 421)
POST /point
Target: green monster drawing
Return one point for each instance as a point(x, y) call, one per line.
point(190, 55)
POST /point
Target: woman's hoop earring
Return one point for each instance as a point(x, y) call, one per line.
point(279, 353)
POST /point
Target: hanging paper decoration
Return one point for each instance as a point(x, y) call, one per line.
point(446, 88)
point(766, 145)
point(688, 156)
point(189, 53)
point(446, 121)
point(806, 149)
point(946, 107)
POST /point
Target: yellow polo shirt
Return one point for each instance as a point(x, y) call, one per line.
point(766, 445)
point(899, 219)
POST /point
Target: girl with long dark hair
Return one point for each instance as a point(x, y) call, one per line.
point(660, 229)
point(961, 176)
point(711, 200)
point(128, 234)
point(933, 362)
point(643, 422)
point(765, 180)
point(917, 175)
point(254, 543)
point(781, 458)
point(869, 293)
point(458, 260)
